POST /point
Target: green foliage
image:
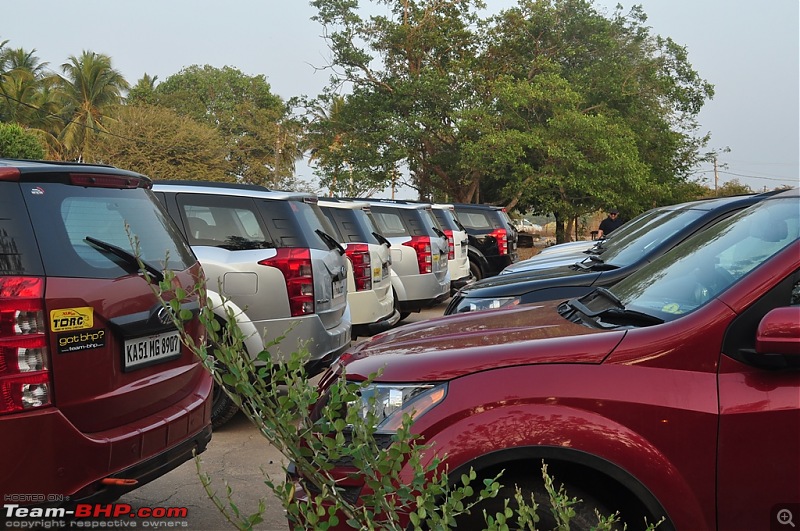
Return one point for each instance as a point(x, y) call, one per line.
point(162, 144)
point(547, 107)
point(88, 90)
point(17, 143)
point(262, 142)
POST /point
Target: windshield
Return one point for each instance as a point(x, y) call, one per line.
point(624, 251)
point(699, 269)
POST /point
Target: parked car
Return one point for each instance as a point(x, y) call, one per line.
point(672, 394)
point(420, 275)
point(570, 252)
point(492, 238)
point(369, 286)
point(98, 396)
point(621, 257)
point(458, 244)
point(271, 259)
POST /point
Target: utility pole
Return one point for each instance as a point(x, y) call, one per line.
point(716, 178)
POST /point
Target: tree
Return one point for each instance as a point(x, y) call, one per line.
point(17, 143)
point(89, 89)
point(27, 96)
point(144, 92)
point(548, 106)
point(162, 144)
point(263, 142)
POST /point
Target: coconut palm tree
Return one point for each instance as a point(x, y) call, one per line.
point(90, 89)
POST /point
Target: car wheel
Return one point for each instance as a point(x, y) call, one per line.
point(584, 519)
point(222, 407)
point(475, 269)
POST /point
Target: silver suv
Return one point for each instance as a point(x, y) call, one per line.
point(270, 257)
point(420, 275)
point(458, 243)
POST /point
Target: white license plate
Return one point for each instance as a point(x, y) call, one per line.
point(338, 288)
point(146, 350)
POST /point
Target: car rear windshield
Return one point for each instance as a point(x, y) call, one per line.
point(447, 219)
point(352, 225)
point(482, 220)
point(394, 222)
point(240, 223)
point(65, 218)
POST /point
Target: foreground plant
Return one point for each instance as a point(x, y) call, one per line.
point(277, 398)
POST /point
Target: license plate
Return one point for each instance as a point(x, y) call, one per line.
point(146, 350)
point(338, 288)
point(384, 271)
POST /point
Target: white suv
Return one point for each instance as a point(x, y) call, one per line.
point(369, 286)
point(271, 258)
point(458, 242)
point(420, 275)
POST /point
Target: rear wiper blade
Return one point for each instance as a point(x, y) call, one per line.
point(330, 241)
point(128, 257)
point(382, 239)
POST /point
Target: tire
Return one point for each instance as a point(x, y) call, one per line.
point(584, 519)
point(475, 270)
point(403, 315)
point(222, 407)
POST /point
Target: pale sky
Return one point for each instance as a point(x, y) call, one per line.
point(747, 48)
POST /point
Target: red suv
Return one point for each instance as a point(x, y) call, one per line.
point(674, 393)
point(97, 393)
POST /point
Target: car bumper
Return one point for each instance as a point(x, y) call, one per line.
point(296, 333)
point(141, 450)
point(382, 325)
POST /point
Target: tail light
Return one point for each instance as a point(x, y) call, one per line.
point(358, 253)
point(422, 245)
point(501, 235)
point(451, 244)
point(24, 357)
point(295, 264)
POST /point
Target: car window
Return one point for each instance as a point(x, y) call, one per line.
point(226, 222)
point(70, 214)
point(474, 220)
point(624, 251)
point(389, 223)
point(694, 272)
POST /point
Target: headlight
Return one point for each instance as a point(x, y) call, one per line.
point(388, 403)
point(474, 305)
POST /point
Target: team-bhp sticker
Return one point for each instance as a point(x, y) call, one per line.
point(68, 319)
point(78, 341)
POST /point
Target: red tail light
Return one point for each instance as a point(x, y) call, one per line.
point(502, 240)
point(358, 253)
point(24, 357)
point(295, 264)
point(451, 245)
point(422, 245)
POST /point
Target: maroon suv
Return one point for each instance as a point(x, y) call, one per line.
point(675, 393)
point(97, 393)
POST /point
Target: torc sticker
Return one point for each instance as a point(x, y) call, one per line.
point(68, 319)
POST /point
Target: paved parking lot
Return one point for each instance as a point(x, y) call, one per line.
point(238, 455)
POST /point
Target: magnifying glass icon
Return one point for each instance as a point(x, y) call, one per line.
point(785, 517)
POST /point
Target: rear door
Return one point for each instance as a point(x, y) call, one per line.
point(116, 356)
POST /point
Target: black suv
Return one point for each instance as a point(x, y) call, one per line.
point(492, 238)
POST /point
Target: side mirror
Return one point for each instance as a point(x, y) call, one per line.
point(779, 332)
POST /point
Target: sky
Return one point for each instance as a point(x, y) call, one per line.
point(748, 49)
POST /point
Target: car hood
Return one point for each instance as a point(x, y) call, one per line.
point(448, 347)
point(514, 284)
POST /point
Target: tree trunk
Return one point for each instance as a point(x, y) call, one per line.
point(559, 222)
